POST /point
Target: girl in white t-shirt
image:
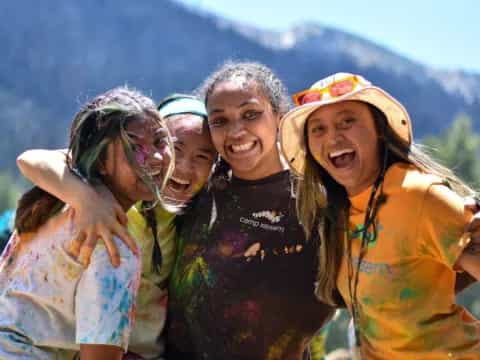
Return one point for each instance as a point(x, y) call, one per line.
point(51, 307)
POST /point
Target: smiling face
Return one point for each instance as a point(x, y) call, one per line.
point(343, 139)
point(194, 157)
point(244, 128)
point(152, 156)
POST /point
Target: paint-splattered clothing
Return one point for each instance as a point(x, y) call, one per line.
point(242, 287)
point(147, 337)
point(406, 283)
point(49, 304)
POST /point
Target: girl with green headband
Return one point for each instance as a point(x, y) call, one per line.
point(152, 229)
point(51, 307)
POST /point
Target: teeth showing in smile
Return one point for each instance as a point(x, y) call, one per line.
point(180, 181)
point(342, 159)
point(178, 185)
point(242, 147)
point(340, 153)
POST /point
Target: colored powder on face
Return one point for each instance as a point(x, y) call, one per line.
point(140, 157)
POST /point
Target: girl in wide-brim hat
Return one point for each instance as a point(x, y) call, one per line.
point(390, 219)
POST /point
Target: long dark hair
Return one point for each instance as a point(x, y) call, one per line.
point(323, 205)
point(97, 124)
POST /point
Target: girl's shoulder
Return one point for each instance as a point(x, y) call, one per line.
point(410, 179)
point(136, 214)
point(418, 189)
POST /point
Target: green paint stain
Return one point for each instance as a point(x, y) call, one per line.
point(371, 328)
point(407, 294)
point(371, 238)
point(447, 243)
point(367, 300)
point(277, 350)
point(197, 271)
point(188, 279)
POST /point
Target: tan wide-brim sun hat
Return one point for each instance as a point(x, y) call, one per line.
point(293, 123)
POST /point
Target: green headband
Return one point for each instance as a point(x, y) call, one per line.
point(178, 104)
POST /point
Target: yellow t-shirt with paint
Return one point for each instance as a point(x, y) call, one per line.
point(146, 339)
point(406, 284)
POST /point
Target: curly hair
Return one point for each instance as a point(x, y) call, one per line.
point(252, 73)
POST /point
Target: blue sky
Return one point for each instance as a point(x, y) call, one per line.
point(441, 33)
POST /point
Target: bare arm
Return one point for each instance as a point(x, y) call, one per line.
point(470, 262)
point(100, 352)
point(465, 279)
point(48, 170)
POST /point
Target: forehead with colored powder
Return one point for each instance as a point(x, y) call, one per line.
point(147, 135)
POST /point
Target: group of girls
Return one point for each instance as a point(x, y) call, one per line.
point(255, 256)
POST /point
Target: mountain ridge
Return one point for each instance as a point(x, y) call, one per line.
point(62, 52)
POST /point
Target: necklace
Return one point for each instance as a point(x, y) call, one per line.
point(353, 276)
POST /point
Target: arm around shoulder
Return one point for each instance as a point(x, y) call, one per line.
point(48, 170)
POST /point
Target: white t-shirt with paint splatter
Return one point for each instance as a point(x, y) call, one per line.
point(50, 304)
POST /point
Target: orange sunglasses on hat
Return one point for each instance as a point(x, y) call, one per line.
point(330, 90)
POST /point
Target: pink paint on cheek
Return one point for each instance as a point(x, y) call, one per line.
point(141, 154)
point(140, 157)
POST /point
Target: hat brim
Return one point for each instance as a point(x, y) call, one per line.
point(292, 126)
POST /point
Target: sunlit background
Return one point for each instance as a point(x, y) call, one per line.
point(443, 34)
point(58, 53)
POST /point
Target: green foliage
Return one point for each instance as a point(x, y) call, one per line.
point(9, 191)
point(458, 149)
